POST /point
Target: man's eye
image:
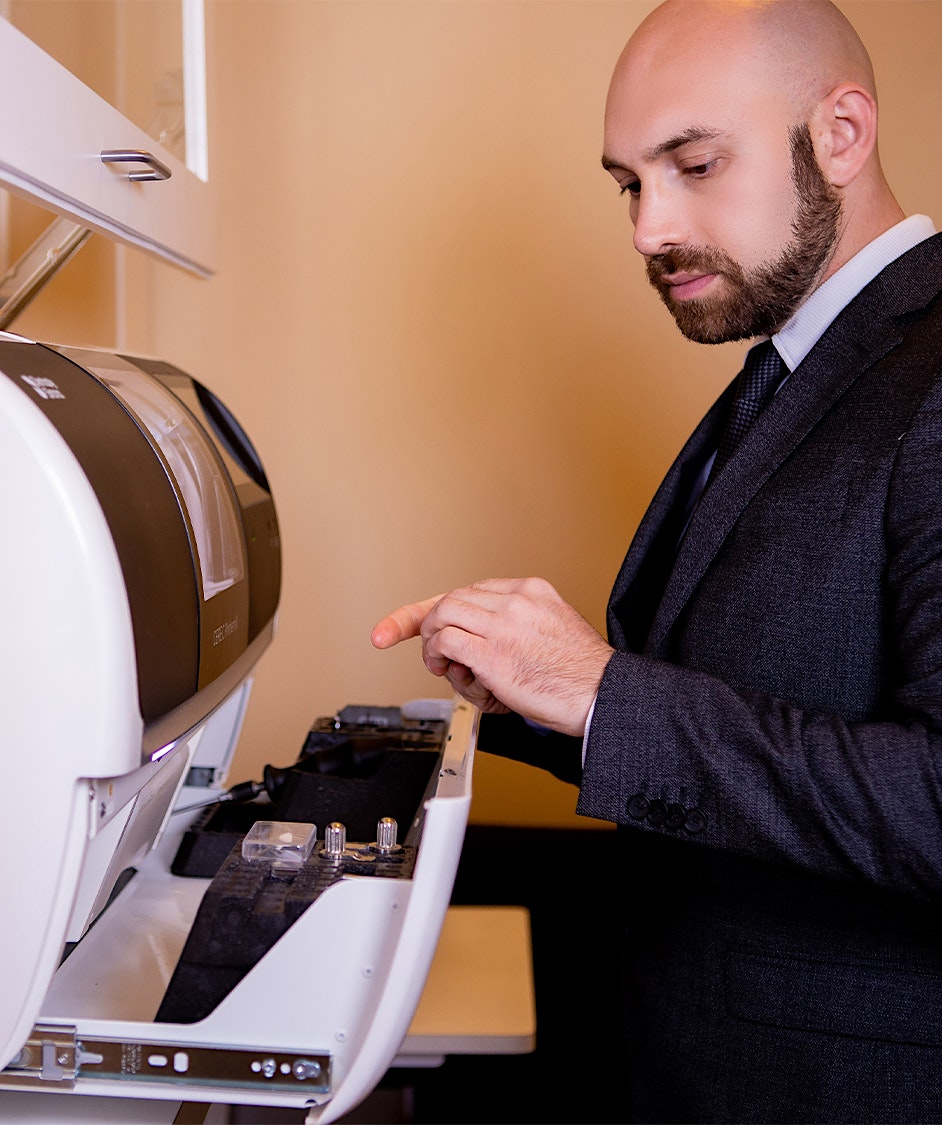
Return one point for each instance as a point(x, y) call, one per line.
point(698, 171)
point(631, 187)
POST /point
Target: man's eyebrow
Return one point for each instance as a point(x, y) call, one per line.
point(693, 135)
point(612, 165)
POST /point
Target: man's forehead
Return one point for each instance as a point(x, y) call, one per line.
point(664, 84)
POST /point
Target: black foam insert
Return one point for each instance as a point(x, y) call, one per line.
point(352, 774)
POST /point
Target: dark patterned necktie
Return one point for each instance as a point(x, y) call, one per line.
point(757, 383)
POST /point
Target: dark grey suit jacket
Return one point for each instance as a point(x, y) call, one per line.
point(769, 735)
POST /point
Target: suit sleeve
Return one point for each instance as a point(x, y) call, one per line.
point(699, 754)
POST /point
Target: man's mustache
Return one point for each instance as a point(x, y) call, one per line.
point(684, 259)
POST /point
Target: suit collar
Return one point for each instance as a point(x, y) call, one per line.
point(822, 306)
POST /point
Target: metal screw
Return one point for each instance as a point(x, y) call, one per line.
point(306, 1068)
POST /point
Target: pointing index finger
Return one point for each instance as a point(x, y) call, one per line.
point(402, 624)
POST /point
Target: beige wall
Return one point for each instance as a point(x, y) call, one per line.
point(430, 319)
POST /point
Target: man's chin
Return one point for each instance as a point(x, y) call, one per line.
point(701, 333)
point(703, 324)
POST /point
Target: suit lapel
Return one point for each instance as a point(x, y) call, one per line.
point(640, 582)
point(859, 337)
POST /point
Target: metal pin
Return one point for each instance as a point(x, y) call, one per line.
point(387, 832)
point(335, 840)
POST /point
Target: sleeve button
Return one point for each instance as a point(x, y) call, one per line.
point(637, 806)
point(657, 813)
point(695, 822)
point(676, 817)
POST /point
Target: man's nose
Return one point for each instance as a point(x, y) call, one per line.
point(658, 224)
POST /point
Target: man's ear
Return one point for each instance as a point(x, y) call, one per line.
point(844, 128)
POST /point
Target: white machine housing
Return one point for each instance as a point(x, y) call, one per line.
point(140, 583)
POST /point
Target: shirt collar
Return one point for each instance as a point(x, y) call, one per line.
point(808, 324)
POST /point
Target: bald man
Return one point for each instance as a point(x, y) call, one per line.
point(764, 720)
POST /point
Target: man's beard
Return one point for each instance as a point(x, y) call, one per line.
point(759, 302)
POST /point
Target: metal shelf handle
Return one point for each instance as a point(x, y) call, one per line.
point(156, 170)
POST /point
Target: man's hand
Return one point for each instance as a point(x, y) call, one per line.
point(508, 644)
